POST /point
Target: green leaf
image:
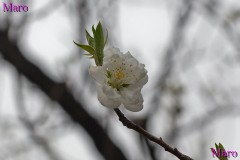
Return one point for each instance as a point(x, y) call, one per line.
point(90, 39)
point(99, 44)
point(93, 30)
point(223, 149)
point(221, 146)
point(106, 38)
point(86, 48)
point(96, 43)
point(216, 146)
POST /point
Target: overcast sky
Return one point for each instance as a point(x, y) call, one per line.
point(145, 31)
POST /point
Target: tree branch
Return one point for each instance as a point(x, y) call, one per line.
point(129, 124)
point(59, 93)
point(31, 128)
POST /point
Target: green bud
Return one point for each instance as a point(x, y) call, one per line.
point(90, 39)
point(96, 44)
point(99, 44)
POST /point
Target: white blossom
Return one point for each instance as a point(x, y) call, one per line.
point(120, 80)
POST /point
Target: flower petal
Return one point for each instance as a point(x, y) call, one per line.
point(110, 92)
point(120, 80)
point(108, 53)
point(140, 83)
point(107, 101)
point(134, 104)
point(132, 63)
point(128, 55)
point(97, 73)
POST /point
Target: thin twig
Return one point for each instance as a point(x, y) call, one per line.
point(129, 124)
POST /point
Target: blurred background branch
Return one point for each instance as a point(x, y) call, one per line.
point(60, 93)
point(190, 48)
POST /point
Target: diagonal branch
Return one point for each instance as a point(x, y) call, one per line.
point(129, 124)
point(59, 93)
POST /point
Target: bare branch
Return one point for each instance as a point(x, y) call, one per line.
point(129, 124)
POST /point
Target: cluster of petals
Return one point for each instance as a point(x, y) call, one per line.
point(120, 80)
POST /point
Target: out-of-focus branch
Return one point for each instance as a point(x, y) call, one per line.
point(48, 9)
point(40, 141)
point(150, 148)
point(129, 124)
point(199, 123)
point(224, 23)
point(176, 40)
point(175, 43)
point(220, 111)
point(59, 93)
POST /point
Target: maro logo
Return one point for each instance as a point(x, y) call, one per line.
point(11, 7)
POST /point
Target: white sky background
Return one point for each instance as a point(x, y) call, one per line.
point(50, 43)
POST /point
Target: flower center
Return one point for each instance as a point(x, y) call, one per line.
point(116, 77)
point(119, 74)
